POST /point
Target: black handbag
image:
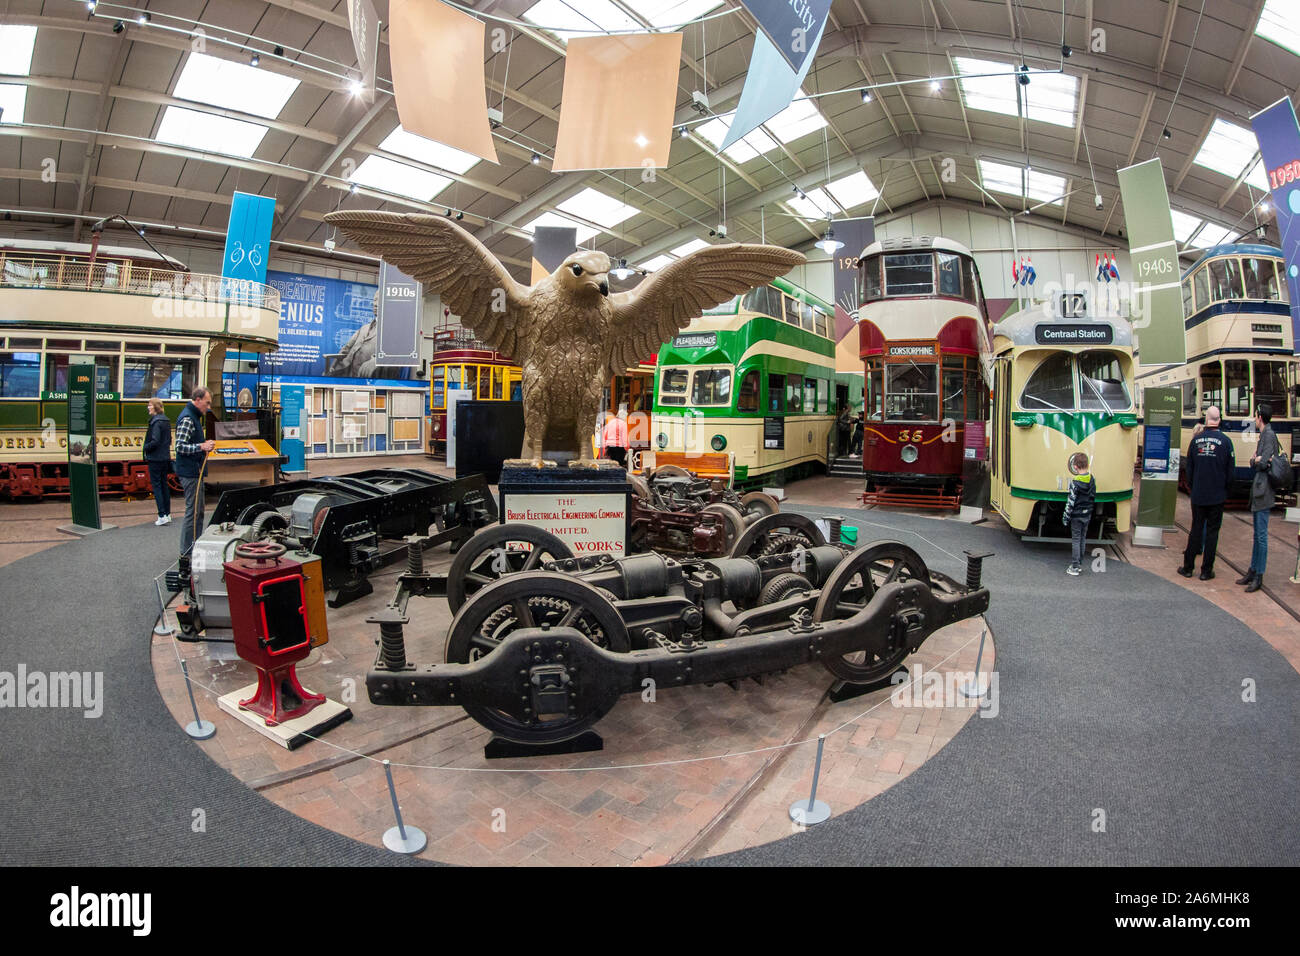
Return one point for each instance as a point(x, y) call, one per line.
point(1279, 473)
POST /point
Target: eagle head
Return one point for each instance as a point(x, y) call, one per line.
point(584, 272)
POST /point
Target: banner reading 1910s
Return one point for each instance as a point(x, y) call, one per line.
point(1279, 144)
point(1157, 299)
point(1162, 410)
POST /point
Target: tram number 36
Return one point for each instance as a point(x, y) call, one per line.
point(914, 433)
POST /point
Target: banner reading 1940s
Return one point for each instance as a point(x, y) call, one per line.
point(1162, 409)
point(1157, 299)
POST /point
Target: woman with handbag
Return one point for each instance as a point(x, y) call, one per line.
point(158, 453)
point(1261, 496)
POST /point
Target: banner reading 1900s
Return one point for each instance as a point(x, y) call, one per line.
point(1279, 144)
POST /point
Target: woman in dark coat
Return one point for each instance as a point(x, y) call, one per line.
point(158, 453)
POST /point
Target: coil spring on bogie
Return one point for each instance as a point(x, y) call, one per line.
point(392, 645)
point(414, 556)
point(834, 522)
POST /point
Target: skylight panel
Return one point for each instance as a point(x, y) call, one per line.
point(742, 151)
point(671, 13)
point(580, 18)
point(234, 86)
point(1016, 181)
point(408, 144)
point(816, 205)
point(594, 206)
point(1049, 97)
point(1044, 186)
point(555, 219)
point(1278, 23)
point(13, 102)
point(16, 45)
point(798, 119)
point(1213, 234)
point(399, 178)
point(853, 190)
point(657, 263)
point(212, 134)
point(1227, 149)
point(1185, 226)
point(994, 94)
point(687, 248)
point(1052, 98)
point(1258, 178)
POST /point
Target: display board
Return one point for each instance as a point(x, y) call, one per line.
point(587, 523)
point(293, 400)
point(83, 482)
point(1162, 438)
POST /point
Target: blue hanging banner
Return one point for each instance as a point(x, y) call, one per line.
point(791, 25)
point(770, 85)
point(1279, 145)
point(248, 242)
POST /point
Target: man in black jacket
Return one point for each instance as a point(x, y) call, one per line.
point(1209, 471)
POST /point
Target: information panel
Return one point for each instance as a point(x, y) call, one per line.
point(1158, 491)
point(83, 482)
point(774, 433)
point(587, 523)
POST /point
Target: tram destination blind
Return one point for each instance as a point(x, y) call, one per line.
point(1083, 333)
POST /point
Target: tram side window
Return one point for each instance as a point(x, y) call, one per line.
point(711, 386)
point(793, 394)
point(56, 372)
point(910, 274)
point(1270, 385)
point(1051, 387)
point(764, 300)
point(810, 395)
point(1237, 381)
point(823, 396)
point(1101, 382)
point(1187, 297)
point(949, 274)
point(672, 386)
point(976, 397)
point(747, 399)
point(1211, 385)
point(875, 395)
point(954, 394)
point(20, 374)
point(972, 281)
point(775, 393)
point(1189, 397)
point(870, 278)
point(1201, 281)
point(913, 392)
point(172, 379)
point(1225, 279)
point(823, 323)
point(437, 394)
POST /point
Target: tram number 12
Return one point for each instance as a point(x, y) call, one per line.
point(915, 433)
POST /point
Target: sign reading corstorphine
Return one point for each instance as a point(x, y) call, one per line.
point(587, 523)
point(399, 318)
point(793, 26)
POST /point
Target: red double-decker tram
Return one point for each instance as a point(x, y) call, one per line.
point(924, 346)
point(460, 361)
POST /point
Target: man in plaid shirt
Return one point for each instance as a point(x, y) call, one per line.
point(191, 449)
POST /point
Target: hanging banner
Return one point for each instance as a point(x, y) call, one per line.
point(1162, 411)
point(1156, 302)
point(83, 473)
point(856, 234)
point(597, 129)
point(364, 23)
point(790, 24)
point(1279, 144)
point(398, 336)
point(248, 244)
point(551, 246)
point(438, 81)
point(770, 85)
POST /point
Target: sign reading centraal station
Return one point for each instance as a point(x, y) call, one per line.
point(1072, 334)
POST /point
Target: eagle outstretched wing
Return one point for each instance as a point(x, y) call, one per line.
point(452, 263)
point(666, 302)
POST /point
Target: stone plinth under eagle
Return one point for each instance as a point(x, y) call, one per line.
point(567, 332)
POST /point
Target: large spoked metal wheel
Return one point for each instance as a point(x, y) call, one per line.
point(533, 599)
point(671, 471)
point(759, 504)
point(851, 587)
point(733, 523)
point(778, 534)
point(497, 551)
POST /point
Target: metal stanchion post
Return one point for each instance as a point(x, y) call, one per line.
point(198, 728)
point(972, 689)
point(401, 838)
point(161, 629)
point(812, 811)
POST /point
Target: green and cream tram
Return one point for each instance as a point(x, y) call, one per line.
point(1239, 351)
point(754, 378)
point(1063, 383)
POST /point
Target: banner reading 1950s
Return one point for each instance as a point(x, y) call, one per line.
point(1157, 299)
point(1279, 144)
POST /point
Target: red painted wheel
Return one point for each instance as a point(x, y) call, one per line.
point(174, 483)
point(260, 550)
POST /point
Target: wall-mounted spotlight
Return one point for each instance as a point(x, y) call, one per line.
point(536, 159)
point(279, 51)
point(143, 17)
point(254, 60)
point(866, 96)
point(119, 26)
point(1166, 134)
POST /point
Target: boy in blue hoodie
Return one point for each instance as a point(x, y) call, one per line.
point(1078, 509)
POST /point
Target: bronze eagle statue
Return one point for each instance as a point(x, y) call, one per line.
point(567, 333)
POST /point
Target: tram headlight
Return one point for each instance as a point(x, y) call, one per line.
point(662, 440)
point(908, 453)
point(718, 442)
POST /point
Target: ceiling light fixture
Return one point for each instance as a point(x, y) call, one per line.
point(352, 187)
point(143, 18)
point(642, 141)
point(537, 159)
point(254, 60)
point(460, 216)
point(90, 5)
point(1066, 51)
point(866, 96)
point(1022, 75)
point(1166, 134)
point(356, 87)
point(279, 51)
point(119, 26)
point(621, 272)
point(1264, 207)
point(828, 243)
point(935, 86)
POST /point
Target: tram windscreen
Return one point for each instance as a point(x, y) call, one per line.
point(1101, 382)
point(1270, 385)
point(711, 386)
point(910, 274)
point(1237, 383)
point(1051, 387)
point(672, 386)
point(870, 270)
point(20, 374)
point(949, 274)
point(912, 392)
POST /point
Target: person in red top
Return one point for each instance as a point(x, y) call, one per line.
point(613, 438)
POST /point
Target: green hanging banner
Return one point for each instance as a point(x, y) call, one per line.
point(83, 480)
point(1157, 298)
point(1162, 410)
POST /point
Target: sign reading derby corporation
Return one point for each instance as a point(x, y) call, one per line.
point(793, 26)
point(1083, 333)
point(696, 340)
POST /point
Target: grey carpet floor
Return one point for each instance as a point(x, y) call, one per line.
point(1119, 692)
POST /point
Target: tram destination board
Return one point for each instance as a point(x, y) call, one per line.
point(696, 340)
point(1073, 333)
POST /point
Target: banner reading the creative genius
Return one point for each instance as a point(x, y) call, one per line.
point(1157, 297)
point(1279, 144)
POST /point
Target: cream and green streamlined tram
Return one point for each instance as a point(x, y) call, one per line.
point(1063, 383)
